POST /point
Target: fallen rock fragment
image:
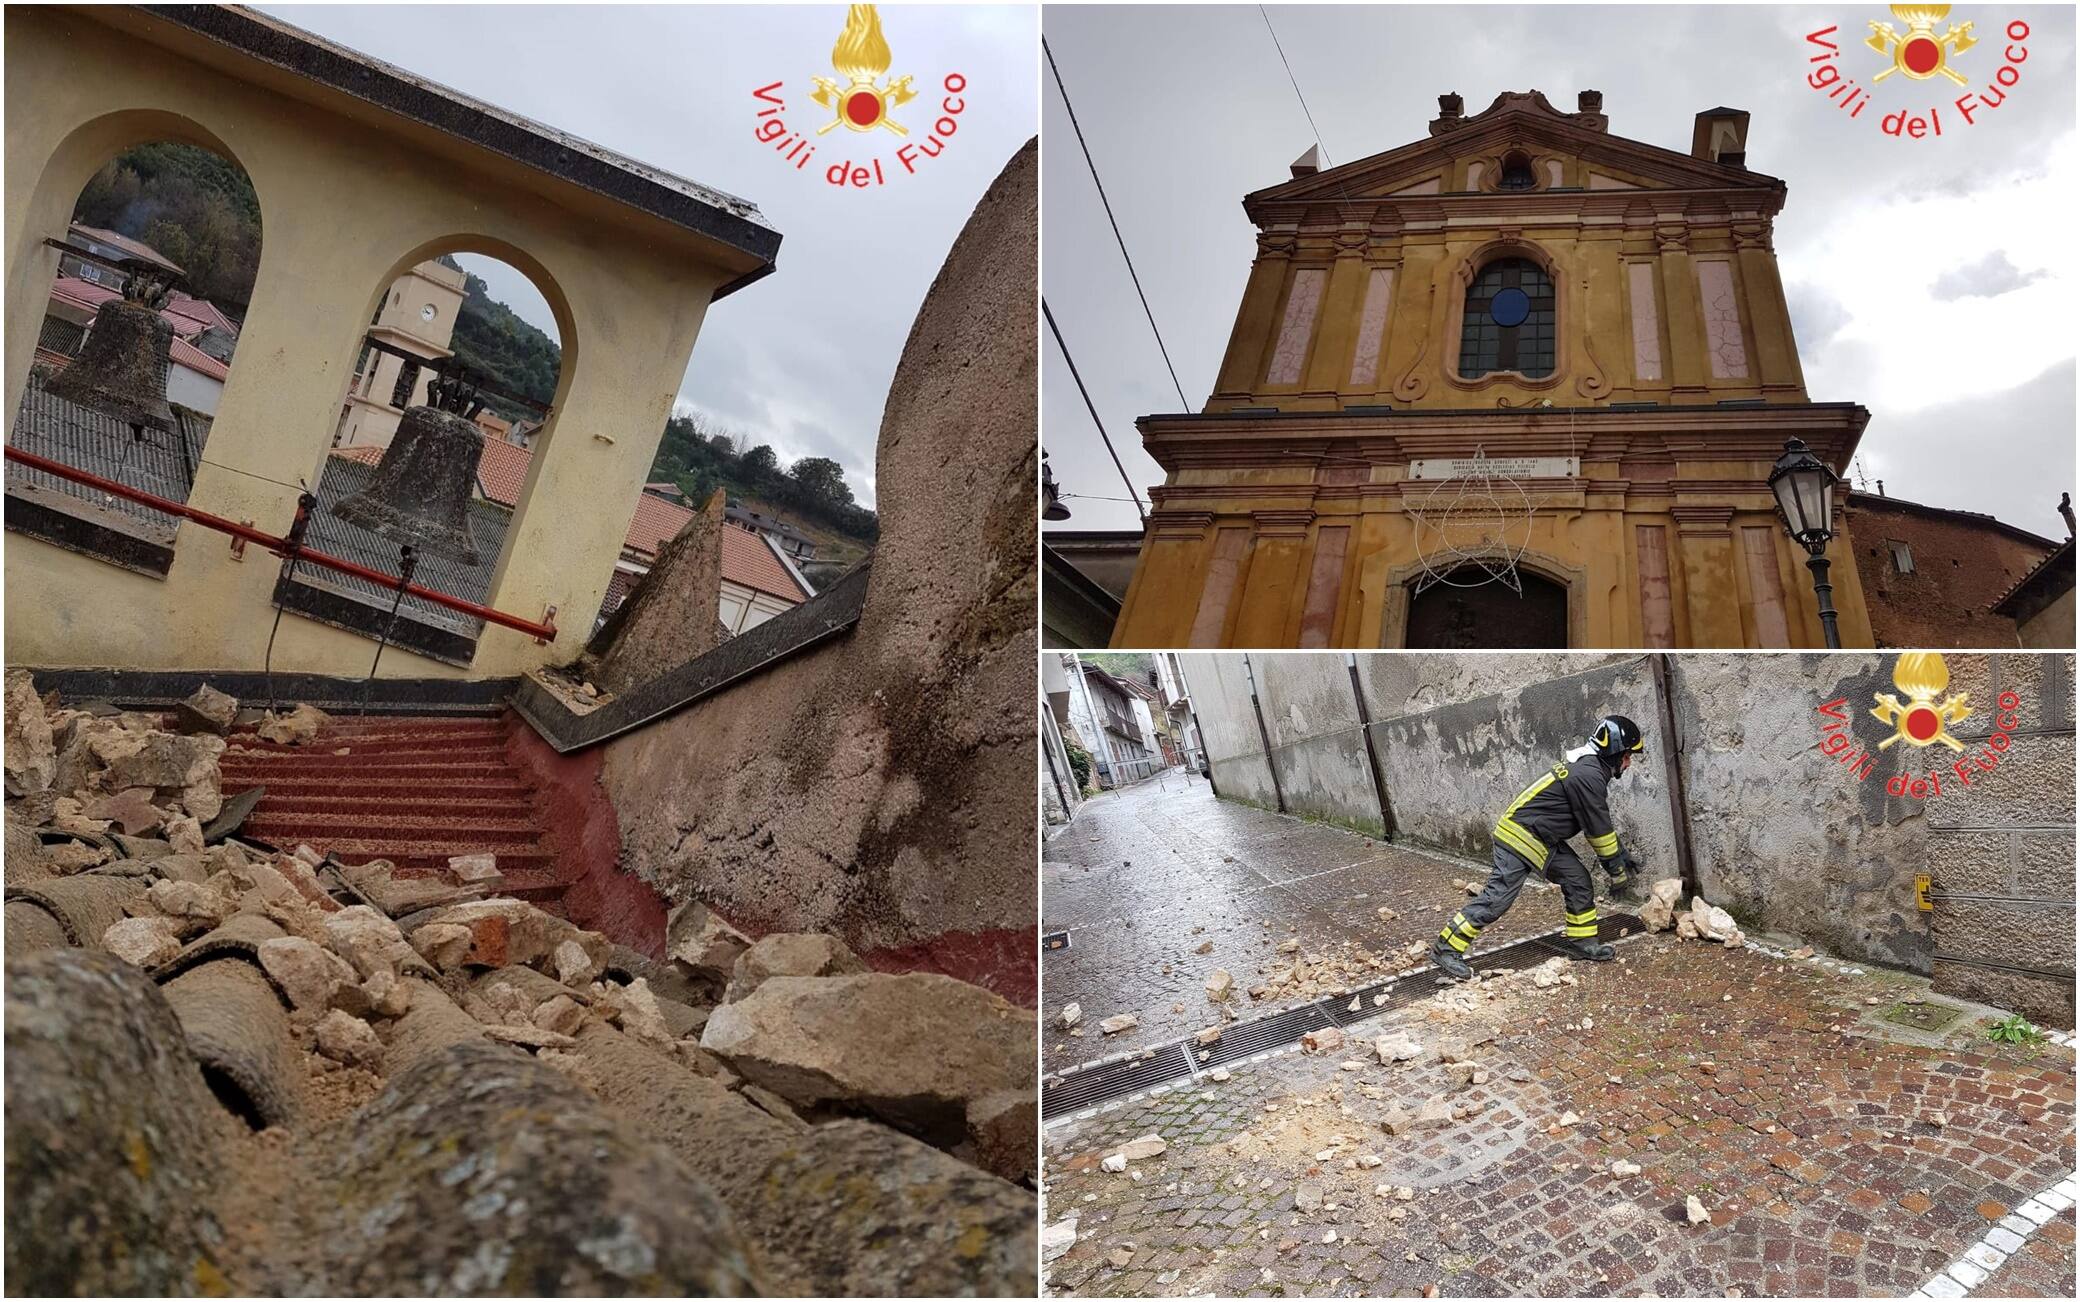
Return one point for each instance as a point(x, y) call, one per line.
point(794, 954)
point(1399, 1047)
point(1696, 1212)
point(142, 942)
point(308, 973)
point(349, 1040)
point(1658, 913)
point(1119, 1022)
point(1072, 1013)
point(703, 944)
point(1624, 1170)
point(1057, 1238)
point(299, 727)
point(206, 710)
point(1219, 985)
point(1327, 1039)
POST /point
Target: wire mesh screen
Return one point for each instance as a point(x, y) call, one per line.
point(343, 477)
point(102, 445)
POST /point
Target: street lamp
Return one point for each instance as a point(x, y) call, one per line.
point(1803, 485)
point(1051, 496)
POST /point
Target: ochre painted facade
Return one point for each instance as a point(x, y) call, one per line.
point(1292, 513)
point(352, 195)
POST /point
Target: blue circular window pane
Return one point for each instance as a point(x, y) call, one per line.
point(1509, 307)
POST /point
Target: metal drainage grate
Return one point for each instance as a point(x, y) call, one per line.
point(1241, 1040)
point(1103, 1081)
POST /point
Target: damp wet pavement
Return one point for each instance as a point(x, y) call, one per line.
point(1837, 1150)
point(1147, 874)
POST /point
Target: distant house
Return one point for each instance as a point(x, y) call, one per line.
point(108, 244)
point(194, 378)
point(798, 545)
point(669, 492)
point(1112, 718)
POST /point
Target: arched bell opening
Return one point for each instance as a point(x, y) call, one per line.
point(153, 264)
point(452, 387)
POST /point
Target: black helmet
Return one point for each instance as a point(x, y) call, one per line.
point(1617, 735)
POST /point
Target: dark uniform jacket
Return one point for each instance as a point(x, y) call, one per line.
point(1571, 798)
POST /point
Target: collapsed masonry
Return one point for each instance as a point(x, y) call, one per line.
point(231, 1068)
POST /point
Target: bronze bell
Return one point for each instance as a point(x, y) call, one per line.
point(121, 368)
point(422, 487)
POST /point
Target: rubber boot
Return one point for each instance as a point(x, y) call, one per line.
point(1591, 951)
point(1448, 961)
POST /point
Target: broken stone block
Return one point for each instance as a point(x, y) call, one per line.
point(1397, 1121)
point(1696, 1212)
point(912, 1049)
point(348, 1040)
point(308, 974)
point(637, 1010)
point(299, 727)
point(475, 870)
point(575, 966)
point(794, 954)
point(1140, 1150)
point(1460, 1074)
point(387, 994)
point(1072, 1013)
point(31, 756)
point(1113, 1162)
point(207, 710)
point(446, 945)
point(1658, 913)
point(70, 857)
point(1686, 926)
point(1435, 1111)
point(1203, 947)
point(1308, 1196)
point(142, 942)
point(187, 901)
point(704, 944)
point(1624, 1170)
point(1001, 1126)
point(508, 932)
point(1119, 1022)
point(562, 1014)
point(1208, 1035)
point(131, 809)
point(1328, 1039)
point(1452, 1050)
point(1057, 1238)
point(1398, 1047)
point(367, 939)
point(1710, 921)
point(1570, 1119)
point(1219, 985)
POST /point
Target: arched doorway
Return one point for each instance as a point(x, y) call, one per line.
point(1487, 615)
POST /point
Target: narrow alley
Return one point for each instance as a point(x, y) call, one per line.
point(1693, 1119)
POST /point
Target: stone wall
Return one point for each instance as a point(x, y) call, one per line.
point(878, 786)
point(1961, 567)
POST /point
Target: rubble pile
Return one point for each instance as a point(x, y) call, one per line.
point(1701, 921)
point(736, 1116)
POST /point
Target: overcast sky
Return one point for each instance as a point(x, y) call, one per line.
point(803, 358)
point(1930, 280)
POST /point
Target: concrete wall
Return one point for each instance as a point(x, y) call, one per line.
point(350, 198)
point(1780, 834)
point(879, 786)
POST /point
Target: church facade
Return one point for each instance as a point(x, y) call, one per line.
point(1518, 384)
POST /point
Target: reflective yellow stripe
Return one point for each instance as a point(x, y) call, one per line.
point(1559, 771)
point(1585, 930)
point(1587, 915)
point(1468, 929)
point(1605, 846)
point(1456, 942)
point(1513, 834)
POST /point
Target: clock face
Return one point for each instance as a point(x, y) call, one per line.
point(429, 312)
point(1509, 307)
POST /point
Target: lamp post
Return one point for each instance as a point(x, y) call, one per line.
point(1803, 485)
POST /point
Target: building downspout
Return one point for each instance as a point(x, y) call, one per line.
point(1050, 738)
point(1678, 807)
point(1379, 782)
point(1257, 708)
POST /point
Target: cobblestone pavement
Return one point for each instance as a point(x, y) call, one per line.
point(1837, 1152)
point(1146, 875)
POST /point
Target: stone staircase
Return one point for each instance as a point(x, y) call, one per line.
point(415, 790)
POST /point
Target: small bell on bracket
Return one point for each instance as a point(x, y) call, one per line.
point(121, 368)
point(422, 487)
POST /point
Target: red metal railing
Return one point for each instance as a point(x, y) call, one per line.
point(545, 631)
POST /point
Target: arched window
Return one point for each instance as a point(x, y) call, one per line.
point(1509, 321)
point(1517, 174)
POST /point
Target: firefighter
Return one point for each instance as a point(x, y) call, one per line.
point(1531, 836)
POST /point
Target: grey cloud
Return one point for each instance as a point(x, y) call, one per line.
point(1989, 277)
point(1816, 317)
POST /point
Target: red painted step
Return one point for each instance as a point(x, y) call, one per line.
point(414, 790)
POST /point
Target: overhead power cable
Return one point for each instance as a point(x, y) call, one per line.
point(1092, 408)
point(1343, 195)
point(1183, 403)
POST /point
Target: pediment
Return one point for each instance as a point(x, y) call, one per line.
point(1516, 121)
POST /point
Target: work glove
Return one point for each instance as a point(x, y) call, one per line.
point(1619, 868)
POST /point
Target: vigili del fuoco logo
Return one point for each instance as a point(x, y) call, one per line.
point(1923, 720)
point(872, 106)
point(1918, 54)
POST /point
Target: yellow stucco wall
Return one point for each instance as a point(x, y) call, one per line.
point(1356, 301)
point(350, 198)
